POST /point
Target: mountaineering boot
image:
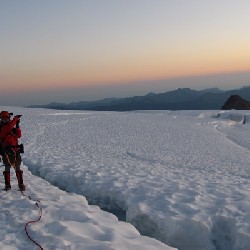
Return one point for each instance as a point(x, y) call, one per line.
point(19, 176)
point(7, 180)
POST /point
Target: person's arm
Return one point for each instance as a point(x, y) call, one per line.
point(17, 132)
point(7, 128)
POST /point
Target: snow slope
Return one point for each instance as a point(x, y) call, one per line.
point(182, 177)
point(68, 222)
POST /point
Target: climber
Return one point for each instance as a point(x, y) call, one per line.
point(10, 151)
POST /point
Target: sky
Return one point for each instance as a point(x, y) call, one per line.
point(88, 49)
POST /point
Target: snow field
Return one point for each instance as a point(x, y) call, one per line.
point(182, 177)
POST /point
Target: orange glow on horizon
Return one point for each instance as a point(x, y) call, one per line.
point(121, 68)
point(54, 83)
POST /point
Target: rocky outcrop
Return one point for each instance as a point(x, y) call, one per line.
point(236, 102)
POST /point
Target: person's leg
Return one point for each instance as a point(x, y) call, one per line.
point(19, 172)
point(6, 173)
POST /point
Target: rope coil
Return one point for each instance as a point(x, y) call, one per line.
point(33, 221)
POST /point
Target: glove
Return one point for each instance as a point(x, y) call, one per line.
point(18, 116)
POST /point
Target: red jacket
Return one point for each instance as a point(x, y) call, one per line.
point(9, 135)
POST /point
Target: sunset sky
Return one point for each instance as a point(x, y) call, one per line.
point(62, 50)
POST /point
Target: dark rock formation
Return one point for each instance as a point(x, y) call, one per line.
point(236, 102)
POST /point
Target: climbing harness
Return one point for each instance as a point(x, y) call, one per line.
point(13, 164)
point(11, 155)
point(38, 203)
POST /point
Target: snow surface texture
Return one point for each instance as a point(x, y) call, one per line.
point(182, 177)
point(68, 222)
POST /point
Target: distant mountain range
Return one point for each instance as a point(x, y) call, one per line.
point(179, 99)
